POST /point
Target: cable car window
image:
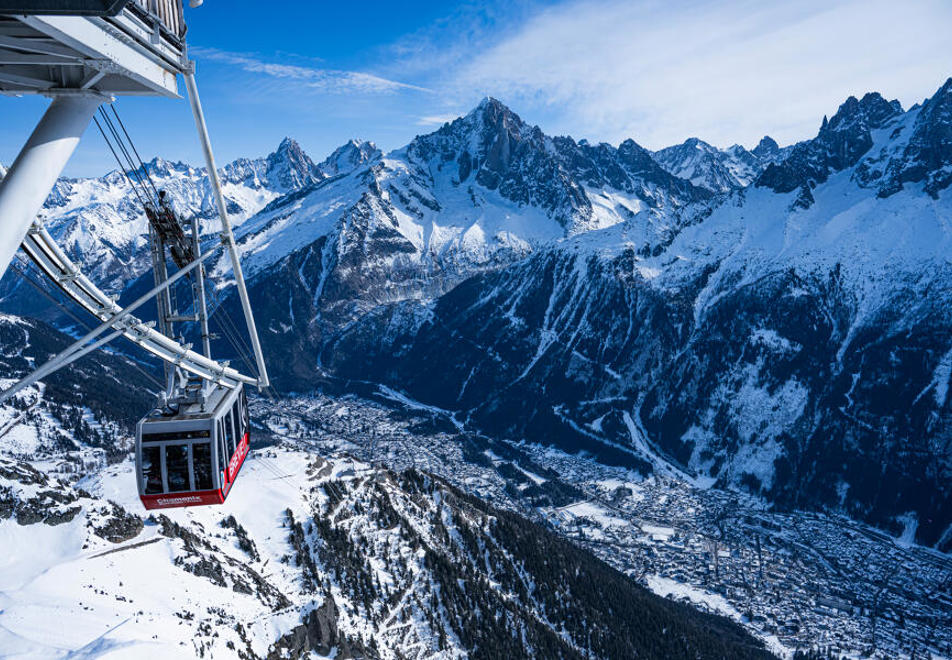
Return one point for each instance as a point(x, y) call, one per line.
point(177, 435)
point(236, 420)
point(236, 417)
point(245, 415)
point(202, 465)
point(176, 467)
point(229, 435)
point(222, 456)
point(152, 470)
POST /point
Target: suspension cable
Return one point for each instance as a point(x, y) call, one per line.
point(136, 151)
point(122, 168)
point(125, 151)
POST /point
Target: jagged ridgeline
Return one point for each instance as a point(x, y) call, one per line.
point(773, 320)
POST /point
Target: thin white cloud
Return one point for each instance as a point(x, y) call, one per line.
point(320, 79)
point(726, 71)
point(436, 120)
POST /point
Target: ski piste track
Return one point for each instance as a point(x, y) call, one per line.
point(47, 255)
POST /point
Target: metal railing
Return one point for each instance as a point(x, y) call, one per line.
point(168, 13)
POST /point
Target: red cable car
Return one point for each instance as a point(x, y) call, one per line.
point(192, 455)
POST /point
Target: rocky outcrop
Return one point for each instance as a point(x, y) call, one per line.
point(840, 144)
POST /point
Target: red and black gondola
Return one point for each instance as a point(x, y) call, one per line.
point(192, 456)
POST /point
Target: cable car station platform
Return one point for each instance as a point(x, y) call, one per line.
point(114, 47)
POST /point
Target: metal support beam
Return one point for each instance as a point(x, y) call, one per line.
point(227, 237)
point(84, 37)
point(24, 81)
point(33, 174)
point(42, 46)
point(92, 79)
point(20, 59)
point(198, 289)
point(54, 263)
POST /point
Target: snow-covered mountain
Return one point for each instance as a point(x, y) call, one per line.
point(312, 556)
point(478, 194)
point(794, 342)
point(718, 170)
point(788, 338)
point(101, 223)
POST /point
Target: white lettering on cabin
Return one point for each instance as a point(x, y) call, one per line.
point(179, 500)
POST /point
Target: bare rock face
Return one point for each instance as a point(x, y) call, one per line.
point(120, 525)
point(30, 497)
point(317, 633)
point(840, 144)
point(928, 155)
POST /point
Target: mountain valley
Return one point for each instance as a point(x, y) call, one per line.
point(723, 373)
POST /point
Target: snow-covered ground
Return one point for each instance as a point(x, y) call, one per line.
point(66, 591)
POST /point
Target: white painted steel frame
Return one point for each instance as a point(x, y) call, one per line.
point(119, 54)
point(81, 347)
point(227, 237)
point(41, 248)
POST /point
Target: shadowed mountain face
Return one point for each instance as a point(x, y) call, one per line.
point(788, 338)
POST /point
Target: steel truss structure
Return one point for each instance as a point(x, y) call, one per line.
point(81, 61)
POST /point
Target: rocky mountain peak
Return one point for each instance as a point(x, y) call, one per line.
point(699, 144)
point(872, 111)
point(928, 154)
point(290, 166)
point(708, 167)
point(348, 157)
point(159, 167)
point(492, 111)
point(766, 148)
point(840, 143)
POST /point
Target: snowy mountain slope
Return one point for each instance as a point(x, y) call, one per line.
point(101, 224)
point(315, 556)
point(484, 188)
point(553, 290)
point(481, 192)
point(94, 402)
point(718, 170)
point(793, 344)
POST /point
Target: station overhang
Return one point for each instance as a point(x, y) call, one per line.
point(63, 7)
point(133, 52)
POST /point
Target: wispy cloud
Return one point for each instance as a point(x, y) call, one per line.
point(437, 120)
point(320, 79)
point(727, 71)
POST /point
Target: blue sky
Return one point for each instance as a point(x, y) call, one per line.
point(729, 71)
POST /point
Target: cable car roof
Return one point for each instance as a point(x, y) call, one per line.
point(215, 401)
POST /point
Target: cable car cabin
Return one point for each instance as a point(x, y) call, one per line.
point(192, 457)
